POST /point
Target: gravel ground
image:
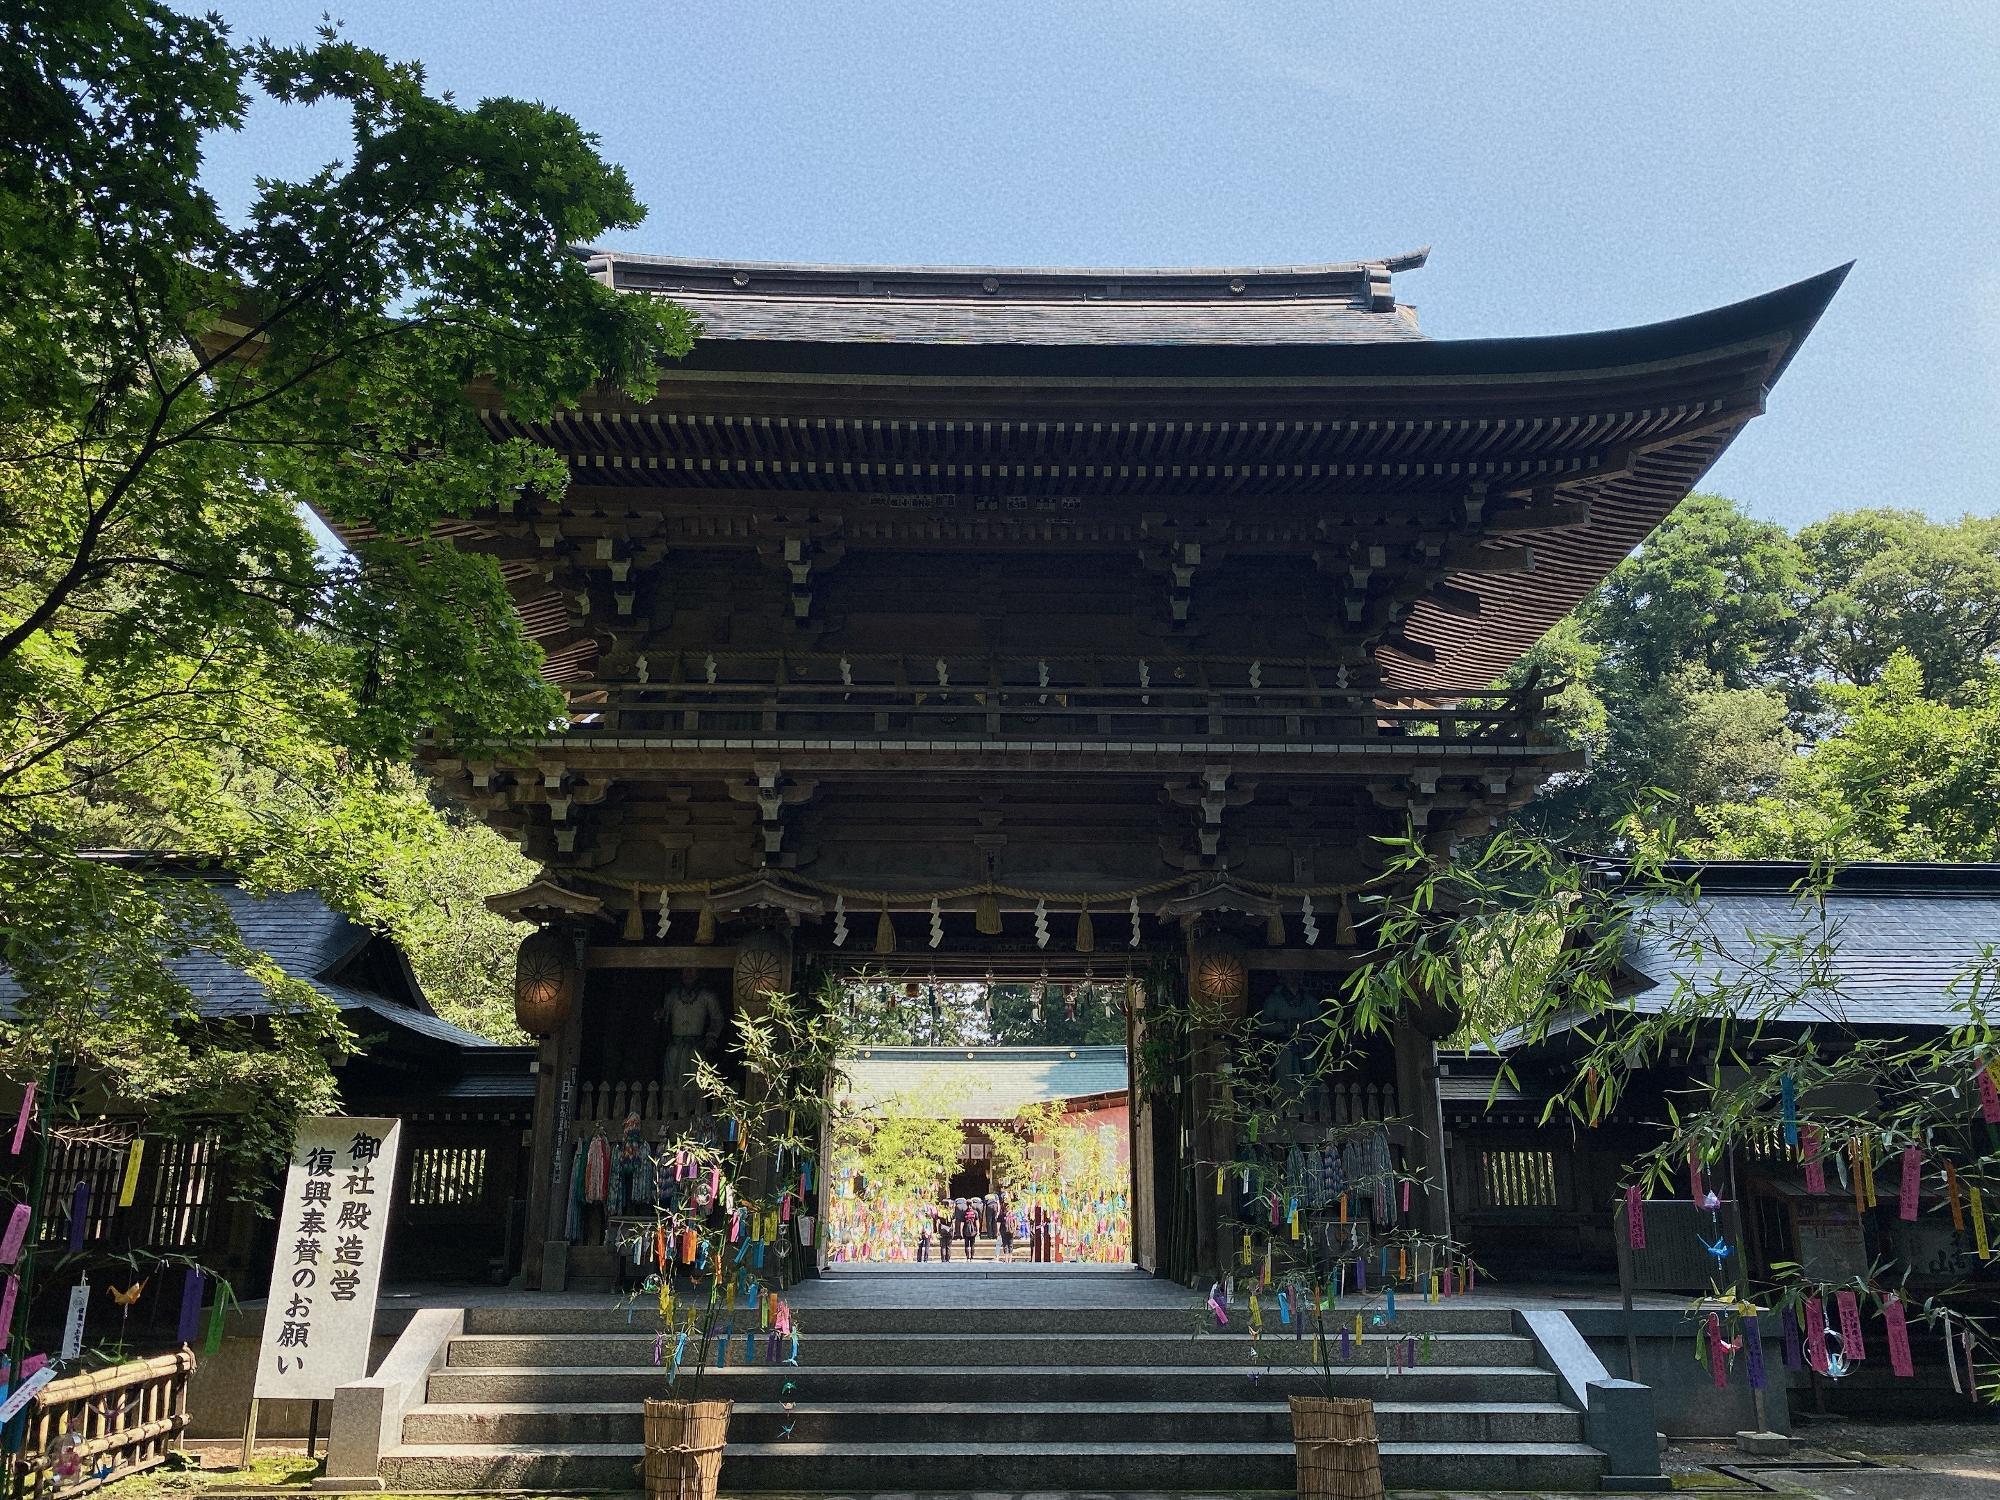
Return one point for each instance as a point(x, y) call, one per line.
point(1851, 1460)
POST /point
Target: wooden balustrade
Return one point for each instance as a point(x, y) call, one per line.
point(1336, 1104)
point(1022, 698)
point(603, 1105)
point(128, 1418)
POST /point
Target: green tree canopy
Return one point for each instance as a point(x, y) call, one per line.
point(1901, 776)
point(906, 1146)
point(1729, 674)
point(172, 386)
point(1710, 588)
point(1876, 582)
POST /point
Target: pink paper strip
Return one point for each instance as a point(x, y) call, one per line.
point(1899, 1338)
point(1635, 1217)
point(1809, 1154)
point(7, 1306)
point(32, 1363)
point(1989, 1097)
point(1816, 1334)
point(1913, 1167)
point(1694, 1177)
point(1718, 1359)
point(17, 1232)
point(1406, 1195)
point(1850, 1325)
point(21, 1124)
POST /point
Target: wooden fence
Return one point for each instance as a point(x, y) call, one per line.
point(127, 1418)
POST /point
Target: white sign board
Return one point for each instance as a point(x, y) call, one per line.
point(331, 1232)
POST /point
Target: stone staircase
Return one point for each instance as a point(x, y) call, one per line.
point(917, 1398)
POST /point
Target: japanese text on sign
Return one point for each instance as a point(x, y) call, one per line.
point(331, 1233)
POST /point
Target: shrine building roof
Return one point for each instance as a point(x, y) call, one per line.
point(1874, 946)
point(980, 1083)
point(362, 972)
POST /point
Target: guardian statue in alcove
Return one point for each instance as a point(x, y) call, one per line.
point(692, 1015)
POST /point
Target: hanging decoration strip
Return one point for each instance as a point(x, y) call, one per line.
point(985, 901)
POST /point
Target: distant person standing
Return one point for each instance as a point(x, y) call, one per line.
point(942, 1217)
point(968, 1227)
point(1003, 1223)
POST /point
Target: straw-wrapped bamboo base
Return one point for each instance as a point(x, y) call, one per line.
point(1337, 1453)
point(684, 1442)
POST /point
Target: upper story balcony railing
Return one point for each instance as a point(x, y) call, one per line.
point(1029, 702)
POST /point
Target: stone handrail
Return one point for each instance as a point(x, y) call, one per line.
point(368, 1414)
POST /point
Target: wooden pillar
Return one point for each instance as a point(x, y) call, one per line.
point(541, 1155)
point(1423, 1141)
point(1139, 1139)
point(548, 1001)
point(763, 969)
point(1220, 985)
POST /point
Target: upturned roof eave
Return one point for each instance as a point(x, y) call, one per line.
point(1782, 317)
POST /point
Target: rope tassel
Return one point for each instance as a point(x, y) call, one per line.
point(704, 927)
point(885, 932)
point(986, 915)
point(1086, 935)
point(1343, 925)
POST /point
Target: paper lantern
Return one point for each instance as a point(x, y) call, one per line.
point(1433, 1015)
point(546, 978)
point(1220, 975)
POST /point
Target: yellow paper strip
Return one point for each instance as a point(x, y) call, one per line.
point(129, 1189)
point(1979, 1226)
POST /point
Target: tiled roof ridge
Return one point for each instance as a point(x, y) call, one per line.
point(1787, 877)
point(819, 279)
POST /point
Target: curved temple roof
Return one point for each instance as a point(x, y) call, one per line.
point(1266, 396)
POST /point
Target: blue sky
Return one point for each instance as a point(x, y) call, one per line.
point(1573, 165)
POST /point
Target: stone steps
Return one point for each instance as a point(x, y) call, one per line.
point(861, 1468)
point(552, 1423)
point(525, 1319)
point(891, 1383)
point(921, 1397)
point(987, 1350)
